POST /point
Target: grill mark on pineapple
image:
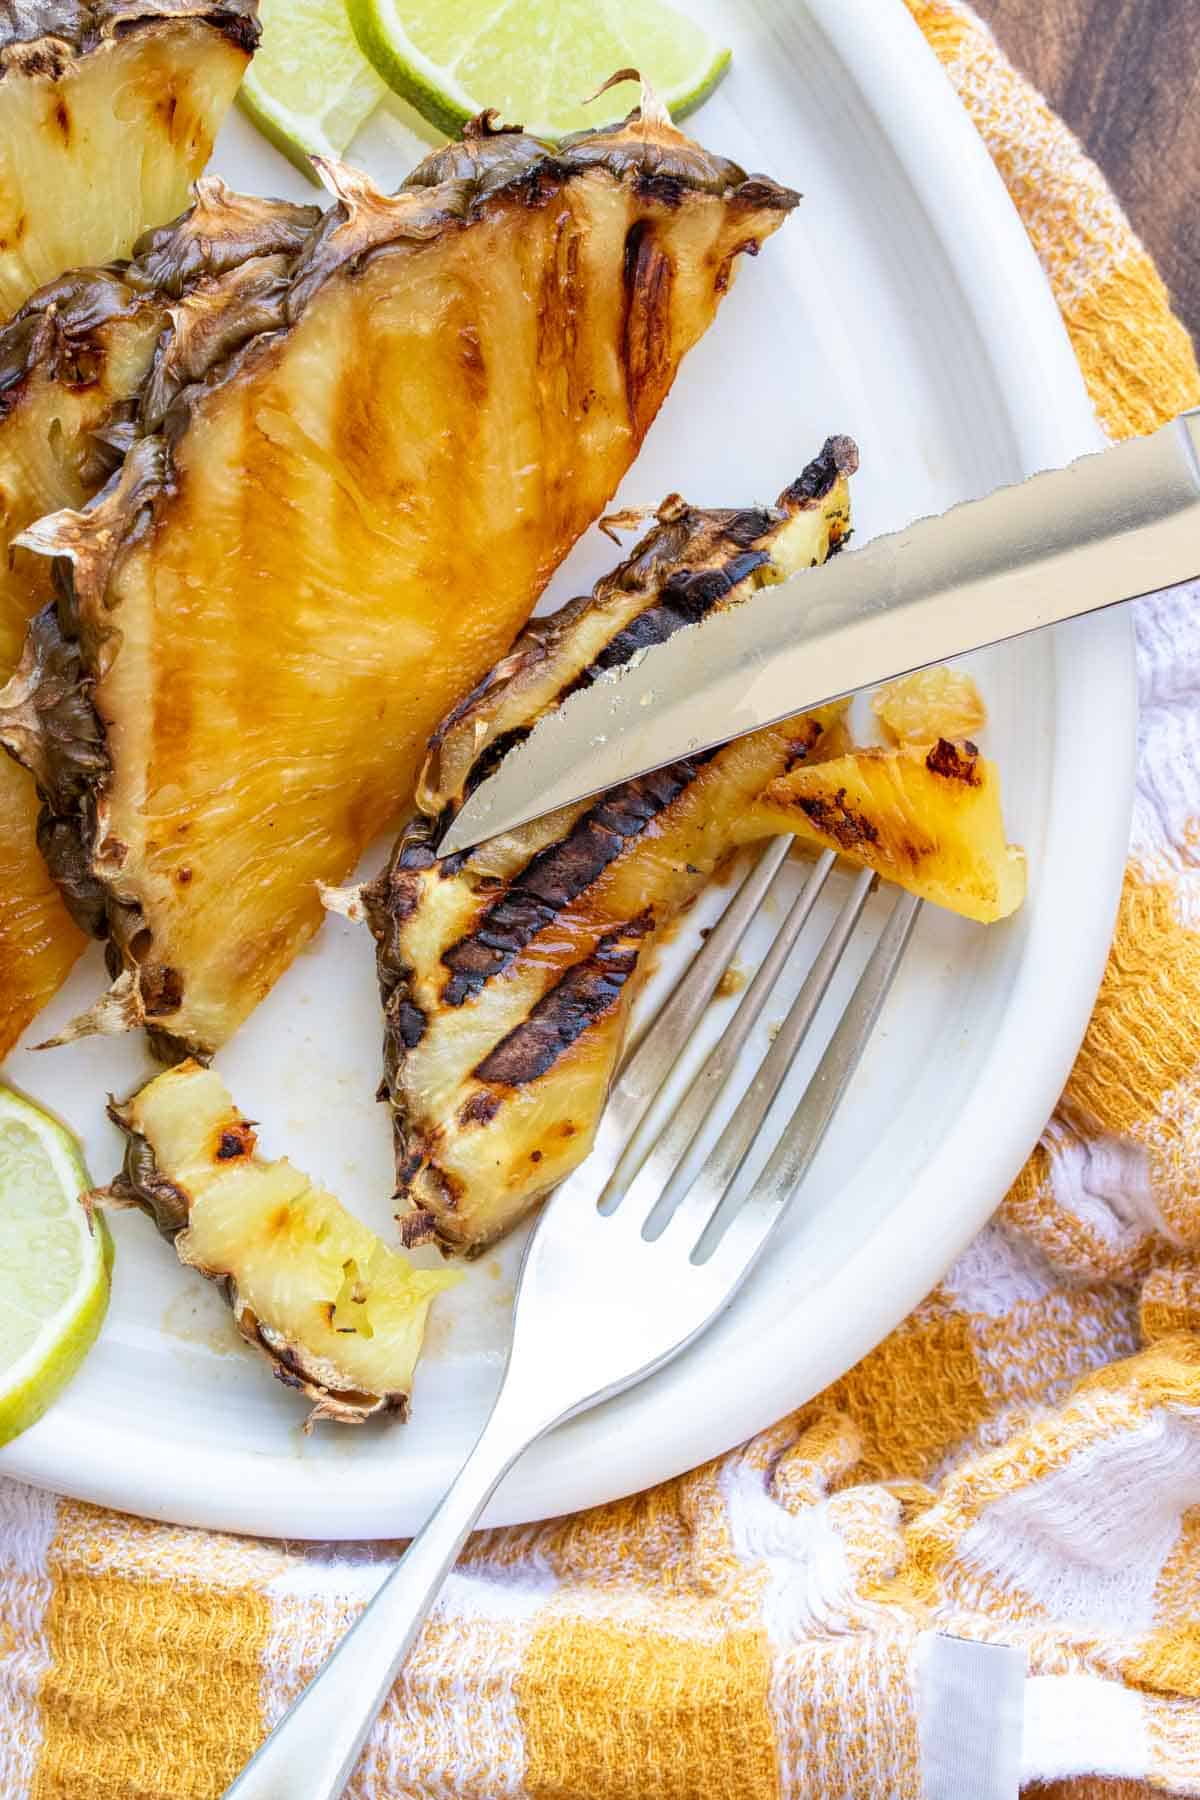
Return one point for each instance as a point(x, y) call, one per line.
point(167, 109)
point(479, 1109)
point(558, 876)
point(62, 120)
point(647, 342)
point(684, 535)
point(587, 991)
point(416, 1228)
point(559, 300)
point(687, 596)
point(472, 364)
point(406, 1019)
point(801, 742)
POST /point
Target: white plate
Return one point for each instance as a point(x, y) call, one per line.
point(902, 304)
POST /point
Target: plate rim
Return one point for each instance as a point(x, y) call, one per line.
point(1023, 338)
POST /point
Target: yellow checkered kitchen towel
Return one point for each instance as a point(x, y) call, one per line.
point(1018, 1465)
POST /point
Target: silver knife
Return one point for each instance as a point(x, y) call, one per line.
point(1109, 527)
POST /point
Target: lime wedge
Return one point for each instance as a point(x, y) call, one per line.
point(309, 88)
point(535, 61)
point(54, 1263)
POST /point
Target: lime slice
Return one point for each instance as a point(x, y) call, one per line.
point(535, 61)
point(309, 88)
point(54, 1264)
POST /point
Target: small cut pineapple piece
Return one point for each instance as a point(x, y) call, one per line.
point(338, 1314)
point(925, 817)
point(930, 704)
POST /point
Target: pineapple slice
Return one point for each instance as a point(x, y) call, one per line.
point(508, 974)
point(108, 110)
point(926, 817)
point(39, 943)
point(72, 364)
point(930, 704)
point(338, 1314)
point(346, 520)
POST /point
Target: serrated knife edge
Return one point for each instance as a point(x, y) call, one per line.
point(1107, 528)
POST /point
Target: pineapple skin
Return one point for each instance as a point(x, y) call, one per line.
point(47, 459)
point(927, 817)
point(300, 1273)
point(107, 113)
point(73, 364)
point(507, 975)
point(438, 401)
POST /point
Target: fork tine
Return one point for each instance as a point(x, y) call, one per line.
point(653, 1056)
point(733, 1243)
point(669, 1171)
point(646, 1168)
point(654, 1051)
point(690, 1198)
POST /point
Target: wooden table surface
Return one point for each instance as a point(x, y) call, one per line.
point(1125, 75)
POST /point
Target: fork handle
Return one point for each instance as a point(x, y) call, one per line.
point(312, 1751)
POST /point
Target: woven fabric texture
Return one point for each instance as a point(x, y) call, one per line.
point(1019, 1463)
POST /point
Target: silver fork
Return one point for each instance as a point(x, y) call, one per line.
point(639, 1220)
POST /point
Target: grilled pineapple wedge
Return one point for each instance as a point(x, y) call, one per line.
point(108, 110)
point(341, 525)
point(73, 364)
point(338, 1315)
point(507, 974)
point(927, 817)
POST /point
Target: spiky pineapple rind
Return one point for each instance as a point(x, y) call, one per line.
point(62, 330)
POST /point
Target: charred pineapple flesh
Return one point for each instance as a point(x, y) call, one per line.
point(927, 817)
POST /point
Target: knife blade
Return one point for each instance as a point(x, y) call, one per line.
point(1107, 528)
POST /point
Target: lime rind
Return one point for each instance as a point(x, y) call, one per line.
point(299, 141)
point(303, 112)
point(437, 97)
point(447, 104)
point(717, 70)
point(40, 1372)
